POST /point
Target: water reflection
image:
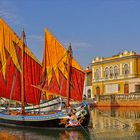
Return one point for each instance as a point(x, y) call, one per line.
point(116, 123)
point(105, 124)
point(123, 112)
point(7, 133)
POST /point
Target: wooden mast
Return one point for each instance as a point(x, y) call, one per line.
point(69, 74)
point(22, 76)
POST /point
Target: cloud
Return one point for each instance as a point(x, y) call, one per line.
point(36, 45)
point(77, 44)
point(9, 14)
point(36, 38)
point(35, 41)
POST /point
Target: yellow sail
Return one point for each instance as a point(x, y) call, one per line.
point(55, 70)
point(7, 40)
point(55, 58)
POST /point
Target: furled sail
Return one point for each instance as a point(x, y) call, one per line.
point(55, 73)
point(10, 67)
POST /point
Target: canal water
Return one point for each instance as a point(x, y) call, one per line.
point(105, 124)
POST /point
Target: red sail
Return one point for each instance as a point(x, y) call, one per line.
point(55, 70)
point(10, 68)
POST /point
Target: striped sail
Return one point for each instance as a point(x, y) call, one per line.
point(55, 73)
point(10, 67)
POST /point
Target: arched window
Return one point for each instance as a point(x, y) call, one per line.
point(126, 69)
point(107, 73)
point(115, 72)
point(111, 72)
point(97, 74)
point(89, 93)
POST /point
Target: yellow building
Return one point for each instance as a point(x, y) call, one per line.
point(119, 74)
point(88, 84)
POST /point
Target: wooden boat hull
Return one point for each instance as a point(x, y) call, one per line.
point(54, 104)
point(60, 120)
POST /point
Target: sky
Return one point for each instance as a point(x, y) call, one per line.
point(95, 28)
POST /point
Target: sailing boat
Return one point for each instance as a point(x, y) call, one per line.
point(28, 67)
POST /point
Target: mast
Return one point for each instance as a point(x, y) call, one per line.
point(22, 76)
point(69, 73)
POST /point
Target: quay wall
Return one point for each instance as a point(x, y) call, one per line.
point(119, 104)
point(121, 100)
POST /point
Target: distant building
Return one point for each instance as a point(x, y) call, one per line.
point(119, 74)
point(88, 84)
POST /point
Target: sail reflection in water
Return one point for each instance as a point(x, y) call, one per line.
point(7, 133)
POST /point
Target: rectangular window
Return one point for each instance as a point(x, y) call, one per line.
point(111, 88)
point(137, 88)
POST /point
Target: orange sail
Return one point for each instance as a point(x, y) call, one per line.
point(55, 72)
point(10, 67)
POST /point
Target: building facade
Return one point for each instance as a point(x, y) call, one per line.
point(88, 84)
point(119, 74)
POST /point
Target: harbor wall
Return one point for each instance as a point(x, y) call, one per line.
point(121, 100)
